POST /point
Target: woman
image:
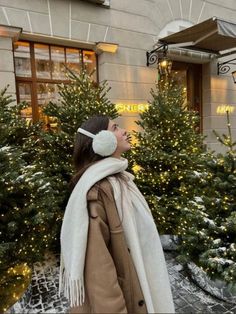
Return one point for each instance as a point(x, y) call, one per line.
point(111, 257)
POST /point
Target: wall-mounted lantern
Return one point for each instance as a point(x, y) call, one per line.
point(106, 47)
point(234, 76)
point(159, 55)
point(164, 66)
point(224, 67)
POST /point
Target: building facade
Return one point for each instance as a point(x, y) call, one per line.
point(38, 36)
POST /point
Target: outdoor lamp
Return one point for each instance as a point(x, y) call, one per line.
point(106, 47)
point(234, 76)
point(164, 66)
point(159, 55)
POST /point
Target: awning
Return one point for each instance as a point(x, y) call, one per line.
point(213, 35)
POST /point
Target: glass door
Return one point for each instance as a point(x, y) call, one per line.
point(190, 76)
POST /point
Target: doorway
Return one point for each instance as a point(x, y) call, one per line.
point(190, 75)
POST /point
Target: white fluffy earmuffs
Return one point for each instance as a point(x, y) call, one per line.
point(104, 142)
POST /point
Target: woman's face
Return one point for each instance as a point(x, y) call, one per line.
point(123, 144)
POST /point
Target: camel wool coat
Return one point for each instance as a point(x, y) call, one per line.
point(111, 281)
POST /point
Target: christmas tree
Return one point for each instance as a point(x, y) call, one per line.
point(29, 216)
point(35, 169)
point(28, 203)
point(168, 152)
point(78, 101)
point(191, 191)
point(210, 239)
point(14, 130)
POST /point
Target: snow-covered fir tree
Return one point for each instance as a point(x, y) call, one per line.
point(210, 234)
point(28, 202)
point(78, 101)
point(35, 169)
point(191, 191)
point(168, 152)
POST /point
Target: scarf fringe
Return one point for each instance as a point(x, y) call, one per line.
point(72, 289)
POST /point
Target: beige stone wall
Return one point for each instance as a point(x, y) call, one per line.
point(219, 95)
point(135, 26)
point(7, 76)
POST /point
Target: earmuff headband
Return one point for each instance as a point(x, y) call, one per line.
point(87, 133)
point(104, 142)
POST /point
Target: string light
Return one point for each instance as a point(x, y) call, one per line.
point(161, 137)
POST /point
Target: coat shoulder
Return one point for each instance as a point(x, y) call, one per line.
point(101, 187)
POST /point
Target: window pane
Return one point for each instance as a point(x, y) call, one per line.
point(25, 95)
point(22, 59)
point(42, 61)
point(58, 63)
point(89, 58)
point(47, 92)
point(73, 60)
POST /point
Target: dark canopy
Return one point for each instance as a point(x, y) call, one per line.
point(213, 35)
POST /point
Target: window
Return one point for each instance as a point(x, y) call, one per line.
point(39, 68)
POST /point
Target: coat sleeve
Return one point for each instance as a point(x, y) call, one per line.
point(102, 286)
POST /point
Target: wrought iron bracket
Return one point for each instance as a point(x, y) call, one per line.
point(224, 67)
point(155, 54)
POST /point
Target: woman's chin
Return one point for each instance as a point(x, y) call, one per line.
point(128, 147)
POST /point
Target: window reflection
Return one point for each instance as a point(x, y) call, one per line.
point(89, 59)
point(58, 63)
point(42, 61)
point(22, 59)
point(74, 60)
point(47, 92)
point(25, 95)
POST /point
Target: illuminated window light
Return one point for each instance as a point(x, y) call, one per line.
point(106, 47)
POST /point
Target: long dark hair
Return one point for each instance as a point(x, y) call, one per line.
point(84, 156)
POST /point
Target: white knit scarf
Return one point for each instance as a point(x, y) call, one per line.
point(140, 233)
